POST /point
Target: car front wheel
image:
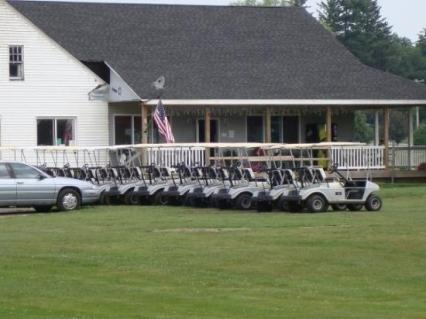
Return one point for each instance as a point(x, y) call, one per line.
point(68, 200)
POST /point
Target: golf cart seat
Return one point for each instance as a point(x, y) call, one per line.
point(319, 175)
point(223, 173)
point(249, 174)
point(355, 189)
point(276, 177)
point(289, 176)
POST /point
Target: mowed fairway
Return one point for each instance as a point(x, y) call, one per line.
point(176, 262)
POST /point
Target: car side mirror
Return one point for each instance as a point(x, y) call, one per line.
point(42, 177)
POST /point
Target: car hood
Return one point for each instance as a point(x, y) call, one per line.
point(66, 181)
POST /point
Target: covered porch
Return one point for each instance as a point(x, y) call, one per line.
point(265, 121)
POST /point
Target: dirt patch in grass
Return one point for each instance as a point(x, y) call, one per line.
point(200, 230)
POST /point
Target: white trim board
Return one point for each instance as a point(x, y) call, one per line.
point(292, 102)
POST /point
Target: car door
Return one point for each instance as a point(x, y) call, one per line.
point(7, 187)
point(32, 186)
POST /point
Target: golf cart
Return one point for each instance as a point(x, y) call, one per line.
point(340, 192)
point(242, 183)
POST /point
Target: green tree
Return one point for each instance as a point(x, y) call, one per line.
point(363, 132)
point(398, 129)
point(359, 25)
point(420, 135)
point(421, 42)
point(271, 3)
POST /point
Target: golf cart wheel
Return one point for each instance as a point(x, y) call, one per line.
point(316, 204)
point(43, 209)
point(282, 205)
point(131, 199)
point(197, 203)
point(68, 200)
point(243, 202)
point(294, 207)
point(186, 200)
point(339, 207)
point(222, 204)
point(160, 199)
point(374, 203)
point(103, 199)
point(355, 207)
point(264, 207)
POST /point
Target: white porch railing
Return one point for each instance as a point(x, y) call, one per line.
point(172, 156)
point(407, 156)
point(358, 157)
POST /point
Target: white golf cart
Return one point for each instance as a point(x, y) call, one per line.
point(341, 193)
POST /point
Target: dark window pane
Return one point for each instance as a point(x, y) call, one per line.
point(201, 131)
point(64, 131)
point(137, 131)
point(291, 129)
point(4, 173)
point(45, 132)
point(24, 171)
point(13, 70)
point(123, 130)
point(276, 129)
point(255, 129)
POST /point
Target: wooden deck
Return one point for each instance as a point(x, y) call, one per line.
point(392, 175)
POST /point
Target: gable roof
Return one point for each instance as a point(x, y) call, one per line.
point(216, 52)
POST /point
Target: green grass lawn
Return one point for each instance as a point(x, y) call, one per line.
point(164, 262)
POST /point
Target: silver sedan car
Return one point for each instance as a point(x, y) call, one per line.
point(22, 185)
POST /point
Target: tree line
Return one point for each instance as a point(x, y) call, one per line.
point(361, 28)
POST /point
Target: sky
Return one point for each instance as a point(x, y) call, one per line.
point(407, 19)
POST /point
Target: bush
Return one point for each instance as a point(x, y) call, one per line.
point(422, 167)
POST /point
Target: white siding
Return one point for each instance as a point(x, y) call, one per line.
point(56, 84)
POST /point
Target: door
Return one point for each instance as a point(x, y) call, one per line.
point(7, 187)
point(214, 131)
point(32, 187)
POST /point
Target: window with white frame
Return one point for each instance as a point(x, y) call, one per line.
point(55, 131)
point(16, 62)
point(127, 129)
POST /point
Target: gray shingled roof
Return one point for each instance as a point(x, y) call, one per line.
point(216, 52)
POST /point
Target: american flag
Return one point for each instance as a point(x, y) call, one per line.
point(162, 123)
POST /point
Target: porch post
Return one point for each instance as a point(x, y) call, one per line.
point(267, 136)
point(376, 128)
point(386, 120)
point(144, 135)
point(410, 135)
point(144, 117)
point(410, 127)
point(417, 117)
point(207, 137)
point(328, 124)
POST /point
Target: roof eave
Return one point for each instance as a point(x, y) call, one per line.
point(288, 102)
